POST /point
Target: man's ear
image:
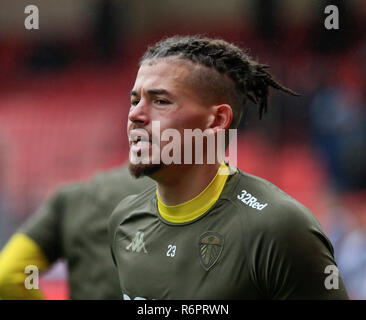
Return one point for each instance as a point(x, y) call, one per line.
point(221, 117)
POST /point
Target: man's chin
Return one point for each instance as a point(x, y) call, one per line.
point(141, 170)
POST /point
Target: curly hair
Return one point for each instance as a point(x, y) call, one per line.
point(244, 78)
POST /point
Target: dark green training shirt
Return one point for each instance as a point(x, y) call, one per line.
point(72, 225)
point(255, 242)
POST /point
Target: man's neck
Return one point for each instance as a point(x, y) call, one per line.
point(182, 183)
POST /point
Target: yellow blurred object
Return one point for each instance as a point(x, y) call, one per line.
point(20, 251)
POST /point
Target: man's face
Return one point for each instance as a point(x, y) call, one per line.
point(160, 93)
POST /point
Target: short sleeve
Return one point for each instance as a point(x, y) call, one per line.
point(296, 261)
point(44, 226)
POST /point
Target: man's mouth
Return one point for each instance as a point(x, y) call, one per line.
point(138, 140)
point(141, 142)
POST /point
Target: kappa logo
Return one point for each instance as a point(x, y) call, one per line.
point(137, 244)
point(210, 248)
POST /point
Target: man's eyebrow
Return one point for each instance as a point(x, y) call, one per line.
point(152, 92)
point(158, 91)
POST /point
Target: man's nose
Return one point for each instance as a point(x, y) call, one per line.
point(139, 113)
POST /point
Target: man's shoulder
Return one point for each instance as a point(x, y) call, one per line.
point(137, 201)
point(105, 185)
point(120, 183)
point(113, 175)
point(77, 187)
point(270, 216)
point(265, 204)
point(141, 202)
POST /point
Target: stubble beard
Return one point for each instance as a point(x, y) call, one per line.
point(141, 170)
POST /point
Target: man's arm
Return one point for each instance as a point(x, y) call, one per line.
point(36, 242)
point(20, 252)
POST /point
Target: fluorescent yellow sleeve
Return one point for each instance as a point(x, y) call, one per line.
point(20, 252)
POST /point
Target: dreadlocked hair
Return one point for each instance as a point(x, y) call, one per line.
point(249, 79)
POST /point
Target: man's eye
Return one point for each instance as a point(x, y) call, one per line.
point(161, 102)
point(134, 102)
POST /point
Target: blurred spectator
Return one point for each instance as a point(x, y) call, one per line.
point(267, 19)
point(347, 231)
point(109, 28)
point(339, 133)
point(48, 55)
point(7, 221)
point(105, 28)
point(352, 262)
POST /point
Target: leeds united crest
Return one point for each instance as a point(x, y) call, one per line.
point(210, 247)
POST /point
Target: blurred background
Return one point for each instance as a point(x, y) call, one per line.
point(64, 98)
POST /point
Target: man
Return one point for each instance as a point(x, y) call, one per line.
point(204, 233)
point(71, 224)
